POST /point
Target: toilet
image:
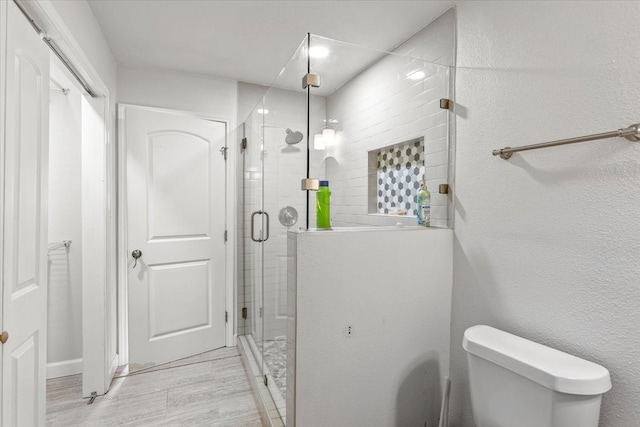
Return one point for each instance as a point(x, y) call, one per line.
point(515, 382)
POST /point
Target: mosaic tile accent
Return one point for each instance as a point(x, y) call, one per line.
point(400, 172)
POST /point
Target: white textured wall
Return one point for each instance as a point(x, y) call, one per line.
point(64, 316)
point(547, 243)
point(381, 107)
point(392, 286)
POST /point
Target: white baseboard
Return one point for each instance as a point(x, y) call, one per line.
point(114, 367)
point(64, 368)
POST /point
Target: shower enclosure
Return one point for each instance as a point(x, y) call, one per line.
point(375, 124)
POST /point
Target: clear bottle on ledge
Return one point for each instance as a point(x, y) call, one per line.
point(423, 203)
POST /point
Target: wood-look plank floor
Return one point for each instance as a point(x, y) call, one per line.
point(210, 389)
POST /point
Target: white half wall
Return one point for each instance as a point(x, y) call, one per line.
point(372, 311)
point(546, 244)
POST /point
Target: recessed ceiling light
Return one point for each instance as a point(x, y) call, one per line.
point(318, 52)
point(416, 75)
point(262, 111)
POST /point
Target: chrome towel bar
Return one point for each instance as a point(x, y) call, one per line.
point(632, 133)
point(58, 245)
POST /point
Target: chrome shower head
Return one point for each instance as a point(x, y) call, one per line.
point(293, 137)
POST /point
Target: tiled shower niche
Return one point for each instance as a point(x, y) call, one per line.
point(395, 174)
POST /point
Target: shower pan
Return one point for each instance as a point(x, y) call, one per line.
point(382, 112)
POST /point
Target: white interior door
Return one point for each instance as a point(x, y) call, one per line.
point(24, 292)
point(175, 217)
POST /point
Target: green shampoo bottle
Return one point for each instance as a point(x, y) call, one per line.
point(323, 206)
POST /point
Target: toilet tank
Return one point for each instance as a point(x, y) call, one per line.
point(517, 382)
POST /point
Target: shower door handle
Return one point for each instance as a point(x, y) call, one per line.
point(253, 216)
point(267, 235)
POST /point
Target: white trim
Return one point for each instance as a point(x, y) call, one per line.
point(64, 368)
point(230, 223)
point(121, 252)
point(230, 226)
point(114, 366)
point(3, 58)
point(95, 259)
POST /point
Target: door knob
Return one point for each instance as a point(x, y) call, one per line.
point(4, 337)
point(136, 254)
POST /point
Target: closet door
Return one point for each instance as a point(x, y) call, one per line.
point(24, 251)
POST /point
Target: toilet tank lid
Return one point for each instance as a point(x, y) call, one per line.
point(549, 367)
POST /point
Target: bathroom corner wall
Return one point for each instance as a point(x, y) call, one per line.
point(546, 244)
point(382, 107)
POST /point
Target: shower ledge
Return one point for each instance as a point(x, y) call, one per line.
point(366, 228)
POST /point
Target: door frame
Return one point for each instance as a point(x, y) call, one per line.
point(98, 337)
point(229, 220)
point(4, 19)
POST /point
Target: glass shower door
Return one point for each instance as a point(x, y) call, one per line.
point(274, 161)
point(252, 232)
point(284, 204)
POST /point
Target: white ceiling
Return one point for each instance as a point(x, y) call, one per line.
point(249, 40)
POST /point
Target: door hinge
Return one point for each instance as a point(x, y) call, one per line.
point(226, 317)
point(266, 381)
point(243, 144)
point(244, 312)
point(224, 151)
point(261, 312)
